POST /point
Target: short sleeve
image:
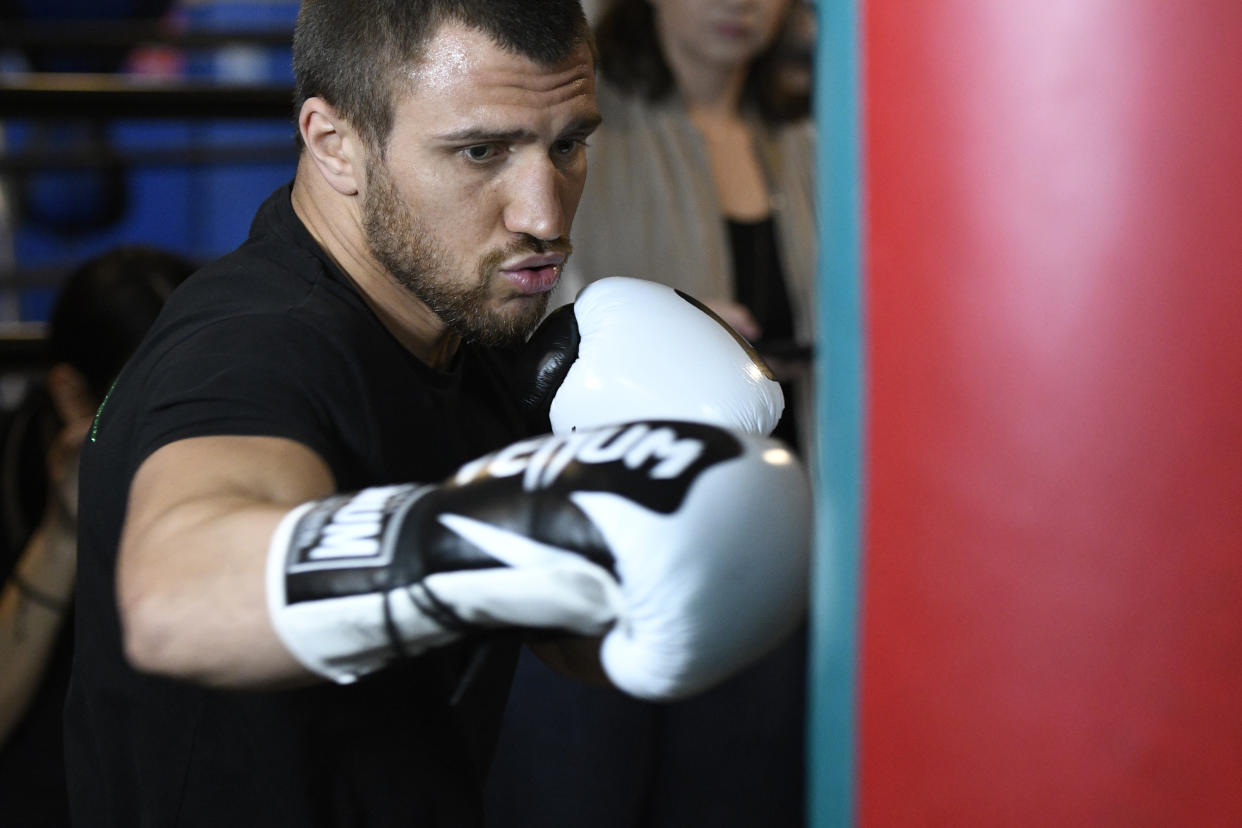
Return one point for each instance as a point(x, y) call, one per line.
point(249, 375)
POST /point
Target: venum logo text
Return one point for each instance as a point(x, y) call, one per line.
point(660, 451)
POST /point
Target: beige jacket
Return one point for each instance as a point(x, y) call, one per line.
point(650, 211)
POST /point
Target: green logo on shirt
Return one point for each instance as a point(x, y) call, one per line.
point(99, 413)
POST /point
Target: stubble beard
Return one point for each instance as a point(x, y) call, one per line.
point(409, 250)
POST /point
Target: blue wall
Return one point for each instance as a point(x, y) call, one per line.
point(198, 210)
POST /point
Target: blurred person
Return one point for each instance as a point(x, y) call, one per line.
point(99, 316)
point(701, 178)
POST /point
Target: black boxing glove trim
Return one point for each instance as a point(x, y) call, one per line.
point(542, 364)
point(355, 582)
point(346, 541)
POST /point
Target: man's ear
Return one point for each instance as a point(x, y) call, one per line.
point(332, 144)
point(70, 395)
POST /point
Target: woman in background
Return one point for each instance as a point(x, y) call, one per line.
point(100, 314)
point(702, 174)
point(701, 177)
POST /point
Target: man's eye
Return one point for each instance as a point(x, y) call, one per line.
point(481, 152)
point(567, 146)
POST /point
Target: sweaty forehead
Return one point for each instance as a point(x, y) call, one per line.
point(467, 65)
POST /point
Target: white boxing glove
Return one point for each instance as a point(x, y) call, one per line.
point(684, 545)
point(715, 584)
point(630, 349)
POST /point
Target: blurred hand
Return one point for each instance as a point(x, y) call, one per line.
point(786, 370)
point(62, 473)
point(737, 316)
point(75, 405)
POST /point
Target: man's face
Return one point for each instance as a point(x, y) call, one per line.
point(470, 206)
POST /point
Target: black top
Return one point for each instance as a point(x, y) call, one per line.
point(274, 340)
point(759, 284)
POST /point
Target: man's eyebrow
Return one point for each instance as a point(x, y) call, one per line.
point(476, 135)
point(482, 135)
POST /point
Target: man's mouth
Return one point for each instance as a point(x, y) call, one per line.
point(534, 274)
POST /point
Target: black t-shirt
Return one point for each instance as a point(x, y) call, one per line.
point(274, 340)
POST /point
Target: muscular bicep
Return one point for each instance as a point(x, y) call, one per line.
point(182, 483)
point(190, 576)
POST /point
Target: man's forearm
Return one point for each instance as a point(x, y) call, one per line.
point(191, 596)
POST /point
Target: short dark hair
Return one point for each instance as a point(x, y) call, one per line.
point(105, 306)
point(352, 53)
point(631, 59)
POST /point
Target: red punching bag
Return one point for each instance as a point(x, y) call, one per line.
point(1052, 563)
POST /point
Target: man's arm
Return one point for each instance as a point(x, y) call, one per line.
point(39, 590)
point(33, 603)
point(190, 581)
point(236, 561)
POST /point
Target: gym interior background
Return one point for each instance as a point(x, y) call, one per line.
point(180, 129)
point(1028, 592)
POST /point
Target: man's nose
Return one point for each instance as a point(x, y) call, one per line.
point(536, 203)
